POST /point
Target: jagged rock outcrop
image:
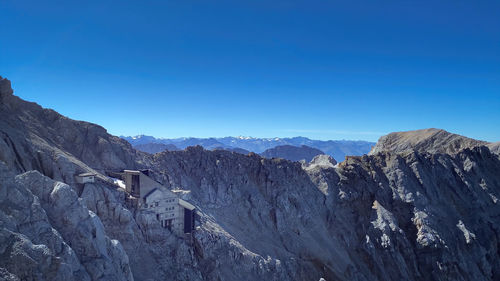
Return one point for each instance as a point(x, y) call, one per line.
point(495, 147)
point(48, 234)
point(292, 153)
point(155, 254)
point(390, 216)
point(34, 138)
point(419, 207)
point(322, 160)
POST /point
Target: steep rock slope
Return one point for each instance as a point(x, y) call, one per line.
point(494, 147)
point(34, 138)
point(292, 153)
point(409, 214)
point(390, 216)
point(48, 234)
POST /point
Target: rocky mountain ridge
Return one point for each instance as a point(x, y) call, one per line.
point(292, 153)
point(427, 140)
point(407, 214)
point(335, 148)
point(153, 148)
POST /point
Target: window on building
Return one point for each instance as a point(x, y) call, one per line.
point(167, 224)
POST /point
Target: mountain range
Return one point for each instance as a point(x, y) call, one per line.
point(338, 149)
point(421, 205)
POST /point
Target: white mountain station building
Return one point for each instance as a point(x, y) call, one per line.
point(86, 178)
point(171, 211)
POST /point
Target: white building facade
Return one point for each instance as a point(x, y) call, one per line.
point(171, 212)
point(86, 178)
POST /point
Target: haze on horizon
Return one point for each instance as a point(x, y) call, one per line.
point(319, 69)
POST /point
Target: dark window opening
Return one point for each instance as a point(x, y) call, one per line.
point(167, 224)
point(135, 184)
point(189, 220)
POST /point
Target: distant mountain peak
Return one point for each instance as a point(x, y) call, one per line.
point(430, 140)
point(293, 153)
point(335, 148)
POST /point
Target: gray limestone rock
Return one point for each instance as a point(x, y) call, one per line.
point(427, 140)
point(46, 233)
point(103, 258)
point(422, 206)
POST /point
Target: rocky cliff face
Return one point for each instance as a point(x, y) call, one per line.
point(494, 147)
point(408, 211)
point(48, 234)
point(390, 216)
point(35, 138)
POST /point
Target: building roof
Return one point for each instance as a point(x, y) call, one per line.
point(186, 205)
point(151, 192)
point(132, 172)
point(88, 174)
point(183, 203)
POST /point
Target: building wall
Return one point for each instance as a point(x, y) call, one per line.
point(144, 185)
point(85, 179)
point(163, 202)
point(166, 206)
point(148, 184)
point(127, 178)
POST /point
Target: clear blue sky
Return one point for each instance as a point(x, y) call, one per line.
point(322, 69)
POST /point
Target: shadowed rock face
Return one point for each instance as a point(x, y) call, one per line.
point(419, 212)
point(292, 153)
